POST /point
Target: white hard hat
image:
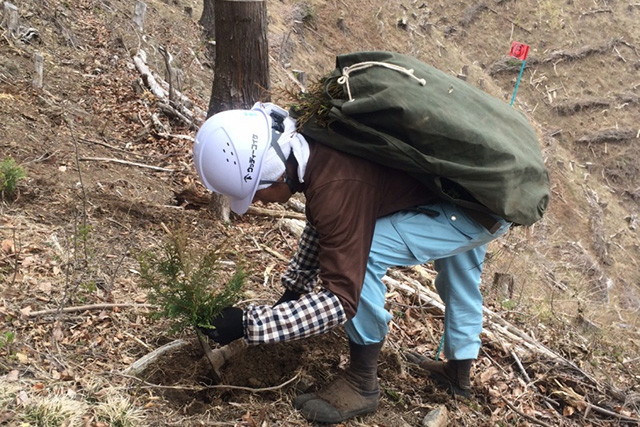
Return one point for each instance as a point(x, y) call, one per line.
point(228, 153)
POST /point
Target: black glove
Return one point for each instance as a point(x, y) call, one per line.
point(287, 296)
point(226, 327)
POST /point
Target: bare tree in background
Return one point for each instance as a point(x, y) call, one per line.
point(241, 71)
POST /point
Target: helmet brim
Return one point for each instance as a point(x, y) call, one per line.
point(241, 206)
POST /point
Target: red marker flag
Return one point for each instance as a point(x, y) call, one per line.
point(519, 50)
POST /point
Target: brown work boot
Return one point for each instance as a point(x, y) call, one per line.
point(355, 392)
point(453, 375)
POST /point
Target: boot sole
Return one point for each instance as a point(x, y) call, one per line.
point(446, 383)
point(342, 417)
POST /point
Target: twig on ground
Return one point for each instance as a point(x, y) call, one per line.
point(612, 414)
point(275, 253)
point(595, 11)
point(524, 373)
point(85, 308)
point(522, 414)
point(175, 136)
point(217, 386)
point(124, 162)
point(104, 144)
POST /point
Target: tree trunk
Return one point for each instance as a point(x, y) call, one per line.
point(207, 20)
point(241, 74)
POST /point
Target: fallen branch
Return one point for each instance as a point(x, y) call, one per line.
point(275, 214)
point(604, 411)
point(568, 108)
point(498, 324)
point(503, 328)
point(104, 144)
point(608, 135)
point(217, 357)
point(85, 308)
point(275, 253)
point(155, 85)
point(581, 52)
point(522, 414)
point(510, 20)
point(140, 365)
point(171, 111)
point(507, 64)
point(595, 11)
point(524, 372)
point(148, 78)
point(217, 386)
point(124, 162)
point(175, 136)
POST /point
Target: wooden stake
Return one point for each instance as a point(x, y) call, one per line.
point(138, 14)
point(38, 65)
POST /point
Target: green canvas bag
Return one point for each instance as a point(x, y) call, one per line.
point(462, 143)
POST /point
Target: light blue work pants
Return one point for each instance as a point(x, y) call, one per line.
point(457, 245)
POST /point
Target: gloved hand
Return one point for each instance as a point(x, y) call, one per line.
point(226, 327)
point(287, 296)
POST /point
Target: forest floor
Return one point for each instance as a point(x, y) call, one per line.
point(107, 169)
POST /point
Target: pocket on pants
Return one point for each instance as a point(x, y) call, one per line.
point(432, 237)
point(459, 220)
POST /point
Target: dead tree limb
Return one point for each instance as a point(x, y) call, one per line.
point(596, 11)
point(156, 85)
point(568, 108)
point(608, 135)
point(217, 357)
point(140, 365)
point(522, 414)
point(124, 162)
point(85, 308)
point(275, 214)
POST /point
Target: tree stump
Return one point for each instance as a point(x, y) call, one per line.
point(10, 18)
point(503, 285)
point(138, 14)
point(38, 65)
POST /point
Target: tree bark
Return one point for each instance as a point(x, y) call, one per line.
point(207, 19)
point(241, 75)
point(241, 72)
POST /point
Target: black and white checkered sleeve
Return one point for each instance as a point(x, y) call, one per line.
point(301, 275)
point(314, 313)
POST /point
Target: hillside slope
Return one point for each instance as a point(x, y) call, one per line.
point(105, 161)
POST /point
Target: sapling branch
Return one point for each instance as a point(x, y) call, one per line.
point(183, 282)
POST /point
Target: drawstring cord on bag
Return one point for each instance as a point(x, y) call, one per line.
point(344, 79)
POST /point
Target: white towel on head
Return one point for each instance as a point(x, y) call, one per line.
point(272, 166)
